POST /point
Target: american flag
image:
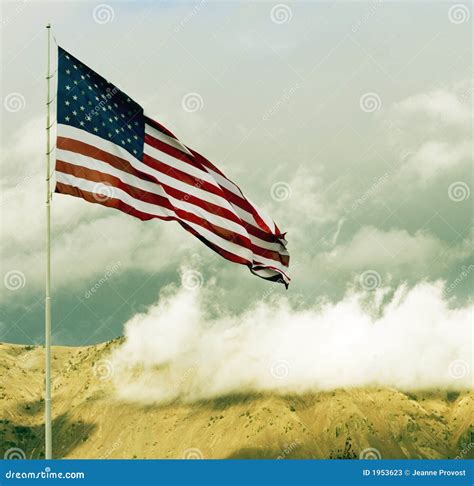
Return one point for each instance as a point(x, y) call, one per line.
point(109, 152)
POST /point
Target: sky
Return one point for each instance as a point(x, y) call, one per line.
point(349, 122)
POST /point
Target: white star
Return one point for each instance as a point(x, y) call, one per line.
point(74, 66)
point(81, 123)
point(82, 76)
point(68, 71)
point(96, 129)
point(66, 103)
point(74, 113)
point(67, 118)
point(68, 87)
point(74, 97)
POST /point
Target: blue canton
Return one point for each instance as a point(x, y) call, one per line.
point(88, 101)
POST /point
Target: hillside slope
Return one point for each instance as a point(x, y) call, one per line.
point(90, 423)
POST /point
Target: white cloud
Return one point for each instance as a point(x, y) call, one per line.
point(432, 132)
point(434, 157)
point(449, 105)
point(178, 350)
point(394, 251)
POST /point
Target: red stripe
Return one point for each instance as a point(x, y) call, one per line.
point(202, 163)
point(109, 202)
point(120, 205)
point(95, 153)
point(159, 127)
point(157, 200)
point(217, 249)
point(239, 201)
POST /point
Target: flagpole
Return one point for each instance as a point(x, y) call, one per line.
point(47, 303)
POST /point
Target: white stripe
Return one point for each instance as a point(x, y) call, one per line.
point(223, 243)
point(114, 149)
point(153, 210)
point(98, 165)
point(215, 178)
point(80, 160)
point(242, 213)
point(95, 141)
point(113, 192)
point(183, 186)
point(271, 263)
point(179, 164)
point(149, 130)
point(268, 273)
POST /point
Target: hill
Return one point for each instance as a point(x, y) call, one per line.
point(89, 422)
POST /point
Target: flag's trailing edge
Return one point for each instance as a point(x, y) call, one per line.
point(109, 152)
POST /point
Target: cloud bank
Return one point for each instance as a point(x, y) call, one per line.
point(182, 348)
